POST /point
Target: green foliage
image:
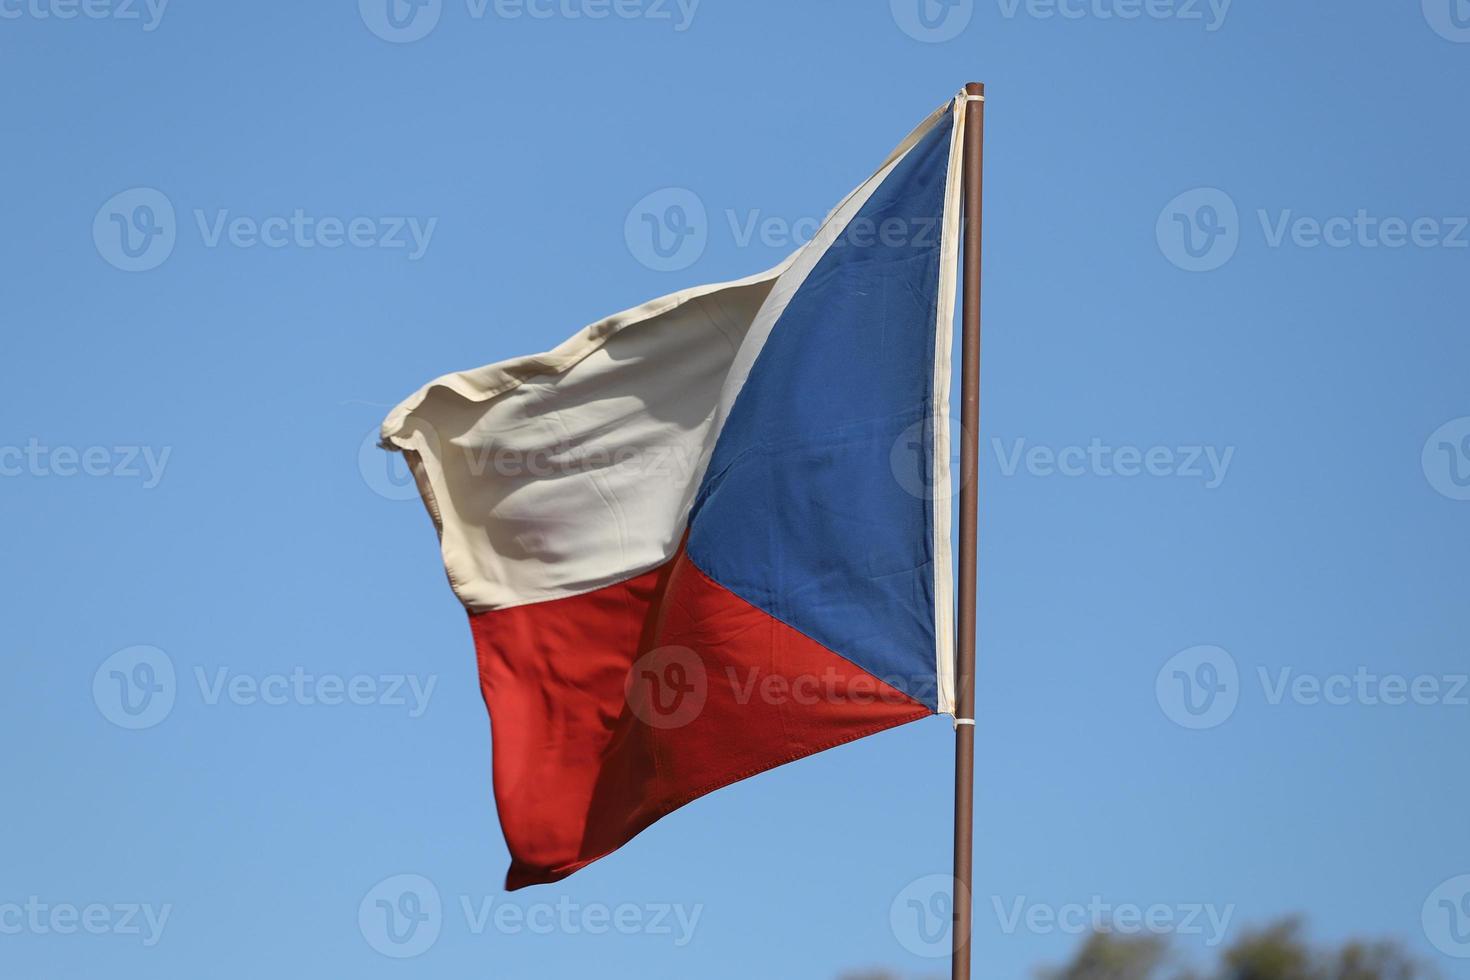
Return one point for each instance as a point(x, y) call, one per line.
point(1278, 952)
point(1109, 957)
point(1377, 961)
point(1275, 953)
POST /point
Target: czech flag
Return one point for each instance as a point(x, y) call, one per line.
point(709, 535)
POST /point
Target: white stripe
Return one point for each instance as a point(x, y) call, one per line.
point(557, 474)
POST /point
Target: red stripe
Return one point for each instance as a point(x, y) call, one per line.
point(611, 709)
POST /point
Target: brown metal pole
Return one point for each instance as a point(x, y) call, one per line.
point(964, 736)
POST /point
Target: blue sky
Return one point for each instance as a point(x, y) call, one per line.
point(1226, 253)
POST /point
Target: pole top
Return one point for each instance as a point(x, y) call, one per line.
point(975, 88)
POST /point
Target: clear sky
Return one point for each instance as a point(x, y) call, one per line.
point(1226, 254)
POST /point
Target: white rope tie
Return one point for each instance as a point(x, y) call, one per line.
point(964, 721)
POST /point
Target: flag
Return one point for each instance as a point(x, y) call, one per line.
point(709, 535)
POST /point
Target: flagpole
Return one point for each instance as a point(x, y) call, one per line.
point(964, 736)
